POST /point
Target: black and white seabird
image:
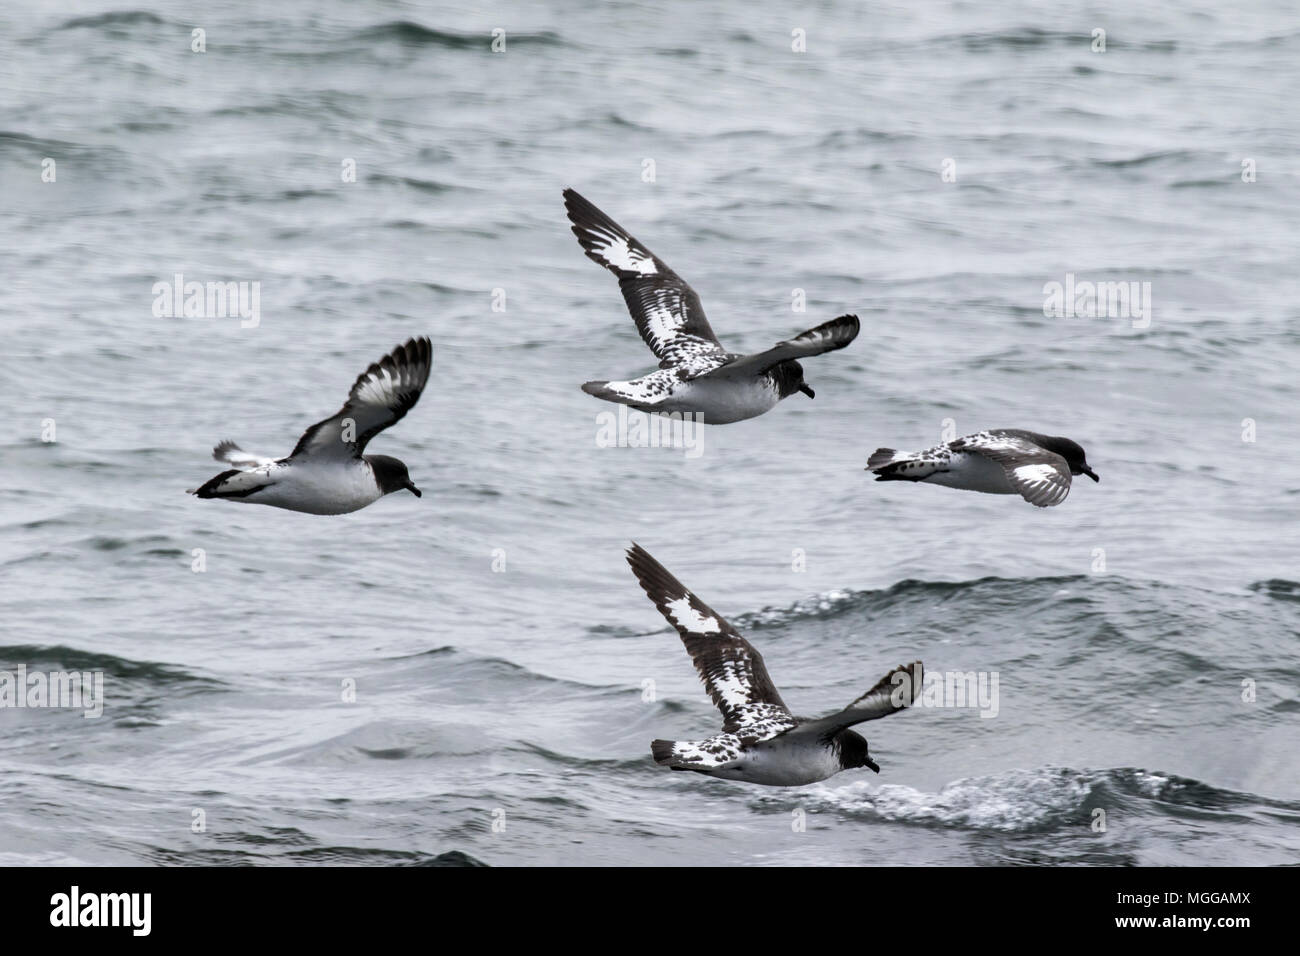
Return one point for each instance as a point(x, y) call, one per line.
point(761, 741)
point(696, 374)
point(1001, 461)
point(327, 474)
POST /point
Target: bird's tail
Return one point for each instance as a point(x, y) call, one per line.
point(891, 465)
point(665, 754)
point(693, 755)
point(231, 484)
point(600, 390)
point(632, 393)
point(662, 750)
point(881, 457)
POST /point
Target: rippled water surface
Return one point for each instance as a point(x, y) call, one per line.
point(526, 696)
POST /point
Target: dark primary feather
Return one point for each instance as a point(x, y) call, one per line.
point(224, 450)
point(380, 397)
point(827, 337)
point(667, 312)
point(720, 657)
point(878, 702)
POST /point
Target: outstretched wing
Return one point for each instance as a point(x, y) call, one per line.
point(732, 671)
point(666, 310)
point(826, 337)
point(897, 690)
point(1040, 476)
point(380, 396)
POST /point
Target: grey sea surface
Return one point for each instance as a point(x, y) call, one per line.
point(507, 672)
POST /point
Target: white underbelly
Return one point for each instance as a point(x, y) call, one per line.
point(320, 491)
point(973, 473)
point(722, 401)
point(785, 762)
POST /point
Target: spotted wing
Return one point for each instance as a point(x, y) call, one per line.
point(667, 312)
point(381, 396)
point(1040, 476)
point(732, 671)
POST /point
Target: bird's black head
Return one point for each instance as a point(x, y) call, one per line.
point(391, 474)
point(788, 376)
point(853, 751)
point(1073, 454)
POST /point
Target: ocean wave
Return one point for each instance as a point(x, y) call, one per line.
point(836, 602)
point(411, 33)
point(471, 670)
point(1035, 38)
point(113, 21)
point(1036, 800)
point(1278, 588)
point(60, 657)
point(427, 186)
point(317, 855)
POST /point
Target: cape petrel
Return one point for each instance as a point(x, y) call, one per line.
point(761, 741)
point(1002, 461)
point(696, 375)
point(327, 474)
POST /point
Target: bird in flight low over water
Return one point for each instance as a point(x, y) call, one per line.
point(327, 474)
point(761, 741)
point(696, 374)
point(1002, 461)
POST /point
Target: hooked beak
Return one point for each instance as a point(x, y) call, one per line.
point(807, 391)
point(1090, 473)
point(873, 765)
point(410, 486)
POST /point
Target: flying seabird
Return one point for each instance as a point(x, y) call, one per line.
point(761, 741)
point(696, 374)
point(327, 474)
point(1001, 461)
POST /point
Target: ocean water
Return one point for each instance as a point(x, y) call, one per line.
point(508, 672)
